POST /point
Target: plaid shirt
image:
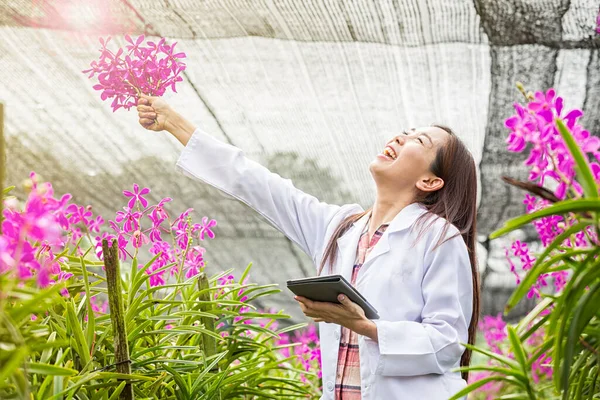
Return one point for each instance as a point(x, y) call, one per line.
point(347, 380)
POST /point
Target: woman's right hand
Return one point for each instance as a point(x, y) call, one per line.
point(154, 113)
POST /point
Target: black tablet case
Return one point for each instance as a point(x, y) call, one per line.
point(327, 288)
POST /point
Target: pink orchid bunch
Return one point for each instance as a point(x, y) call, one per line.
point(47, 226)
point(535, 124)
point(140, 69)
point(308, 350)
point(32, 236)
point(141, 224)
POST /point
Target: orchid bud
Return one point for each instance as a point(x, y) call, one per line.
point(27, 185)
point(42, 189)
point(521, 89)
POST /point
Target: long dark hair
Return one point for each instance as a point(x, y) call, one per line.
point(456, 202)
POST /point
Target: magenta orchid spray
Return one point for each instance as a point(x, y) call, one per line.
point(172, 307)
point(534, 128)
point(148, 69)
point(548, 132)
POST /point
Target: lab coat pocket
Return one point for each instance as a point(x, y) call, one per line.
point(373, 357)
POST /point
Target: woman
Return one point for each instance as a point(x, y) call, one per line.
point(412, 255)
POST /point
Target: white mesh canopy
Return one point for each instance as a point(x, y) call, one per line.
point(310, 89)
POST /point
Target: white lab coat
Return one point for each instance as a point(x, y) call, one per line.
point(423, 296)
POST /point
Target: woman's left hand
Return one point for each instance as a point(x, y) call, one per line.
point(347, 314)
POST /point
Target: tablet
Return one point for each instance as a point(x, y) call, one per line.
point(327, 288)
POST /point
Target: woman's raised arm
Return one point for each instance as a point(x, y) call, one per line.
point(298, 215)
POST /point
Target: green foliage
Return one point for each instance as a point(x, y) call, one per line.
point(572, 317)
point(67, 351)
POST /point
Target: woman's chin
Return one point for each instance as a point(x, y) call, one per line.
point(379, 165)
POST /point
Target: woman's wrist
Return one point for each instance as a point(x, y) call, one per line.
point(180, 127)
point(366, 327)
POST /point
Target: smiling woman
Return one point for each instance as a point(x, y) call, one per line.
point(430, 168)
point(412, 255)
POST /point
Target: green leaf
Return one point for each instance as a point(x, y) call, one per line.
point(582, 168)
point(568, 298)
point(514, 396)
point(14, 360)
point(572, 294)
point(517, 347)
point(49, 369)
point(583, 374)
point(117, 392)
point(179, 380)
point(586, 308)
point(245, 274)
point(567, 258)
point(133, 309)
point(135, 333)
point(116, 375)
point(78, 339)
point(477, 384)
point(91, 322)
point(539, 267)
point(503, 359)
point(138, 277)
point(594, 374)
point(48, 351)
point(498, 370)
point(525, 321)
point(38, 302)
point(559, 208)
point(210, 368)
point(77, 383)
point(545, 347)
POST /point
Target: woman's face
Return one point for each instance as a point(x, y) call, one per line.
point(407, 157)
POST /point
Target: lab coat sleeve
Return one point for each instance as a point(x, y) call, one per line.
point(432, 346)
point(298, 215)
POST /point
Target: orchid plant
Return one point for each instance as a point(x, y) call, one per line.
point(148, 69)
point(55, 326)
point(552, 352)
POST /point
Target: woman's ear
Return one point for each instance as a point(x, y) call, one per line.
point(430, 184)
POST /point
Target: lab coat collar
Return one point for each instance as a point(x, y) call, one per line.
point(348, 243)
point(404, 219)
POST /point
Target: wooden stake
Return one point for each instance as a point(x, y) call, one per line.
point(209, 344)
point(117, 314)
